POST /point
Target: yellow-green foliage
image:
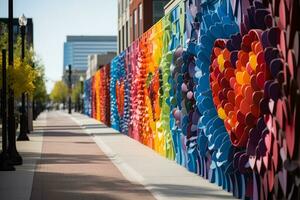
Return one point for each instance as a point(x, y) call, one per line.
point(59, 92)
point(40, 92)
point(22, 75)
point(76, 92)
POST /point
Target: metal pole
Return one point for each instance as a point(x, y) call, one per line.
point(29, 102)
point(24, 120)
point(78, 104)
point(81, 96)
point(4, 102)
point(4, 162)
point(12, 149)
point(70, 89)
point(33, 102)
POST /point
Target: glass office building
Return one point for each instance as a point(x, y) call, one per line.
point(78, 48)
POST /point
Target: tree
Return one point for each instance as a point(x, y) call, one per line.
point(76, 93)
point(40, 92)
point(59, 92)
point(27, 76)
point(40, 97)
point(22, 76)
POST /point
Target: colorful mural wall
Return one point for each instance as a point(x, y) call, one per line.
point(97, 95)
point(213, 85)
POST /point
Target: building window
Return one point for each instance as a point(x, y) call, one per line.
point(123, 38)
point(119, 41)
point(141, 19)
point(138, 22)
point(124, 5)
point(127, 35)
point(135, 25)
point(158, 10)
point(131, 28)
point(119, 9)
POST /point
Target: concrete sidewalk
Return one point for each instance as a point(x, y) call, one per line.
point(72, 167)
point(17, 185)
point(164, 178)
point(76, 157)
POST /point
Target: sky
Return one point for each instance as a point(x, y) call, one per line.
point(53, 20)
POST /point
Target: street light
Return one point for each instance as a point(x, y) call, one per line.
point(23, 119)
point(81, 79)
point(12, 149)
point(22, 20)
point(70, 89)
point(4, 157)
point(29, 108)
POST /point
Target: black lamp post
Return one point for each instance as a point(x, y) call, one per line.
point(33, 102)
point(4, 158)
point(24, 118)
point(12, 149)
point(70, 89)
point(81, 94)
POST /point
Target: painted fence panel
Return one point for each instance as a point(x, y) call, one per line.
point(213, 85)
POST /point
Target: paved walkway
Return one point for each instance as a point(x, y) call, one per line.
point(72, 167)
point(79, 158)
point(16, 185)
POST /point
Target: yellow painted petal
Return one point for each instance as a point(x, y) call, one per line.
point(221, 113)
point(239, 78)
point(253, 61)
point(221, 61)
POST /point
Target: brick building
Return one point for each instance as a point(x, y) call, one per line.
point(143, 14)
point(135, 17)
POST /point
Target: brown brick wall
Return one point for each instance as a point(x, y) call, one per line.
point(147, 15)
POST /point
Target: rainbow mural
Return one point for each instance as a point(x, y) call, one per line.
point(214, 85)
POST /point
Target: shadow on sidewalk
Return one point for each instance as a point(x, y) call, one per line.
point(75, 127)
point(95, 125)
point(180, 190)
point(67, 133)
point(71, 186)
point(61, 158)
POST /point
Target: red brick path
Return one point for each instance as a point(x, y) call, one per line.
point(72, 167)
